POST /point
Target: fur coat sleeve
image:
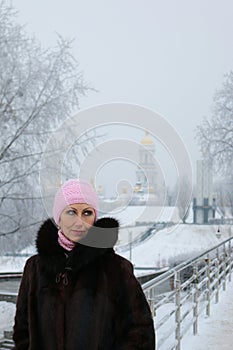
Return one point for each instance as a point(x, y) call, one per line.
point(135, 329)
point(21, 328)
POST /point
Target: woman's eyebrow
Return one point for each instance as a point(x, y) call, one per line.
point(72, 208)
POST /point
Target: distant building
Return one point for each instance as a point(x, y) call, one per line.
point(149, 187)
point(204, 204)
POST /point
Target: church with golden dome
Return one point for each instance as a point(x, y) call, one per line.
point(148, 186)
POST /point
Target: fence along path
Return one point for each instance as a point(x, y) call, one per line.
point(6, 342)
point(179, 297)
point(214, 332)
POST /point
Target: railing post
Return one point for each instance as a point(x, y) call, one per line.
point(230, 259)
point(219, 281)
point(195, 309)
point(224, 267)
point(178, 311)
point(217, 278)
point(208, 286)
point(152, 302)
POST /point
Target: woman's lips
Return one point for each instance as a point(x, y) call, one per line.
point(78, 232)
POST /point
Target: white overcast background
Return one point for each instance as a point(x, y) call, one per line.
point(167, 55)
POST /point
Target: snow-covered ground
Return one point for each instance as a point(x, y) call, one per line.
point(12, 263)
point(176, 244)
point(214, 332)
point(7, 312)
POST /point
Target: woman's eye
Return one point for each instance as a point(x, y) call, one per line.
point(70, 212)
point(88, 212)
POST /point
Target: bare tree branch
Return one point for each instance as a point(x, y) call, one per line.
point(39, 89)
point(215, 136)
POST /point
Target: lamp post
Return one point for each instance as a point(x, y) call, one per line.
point(218, 233)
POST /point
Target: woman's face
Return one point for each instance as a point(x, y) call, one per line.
point(75, 221)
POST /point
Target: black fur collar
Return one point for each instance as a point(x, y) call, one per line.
point(99, 241)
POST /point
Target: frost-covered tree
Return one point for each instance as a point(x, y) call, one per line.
point(224, 195)
point(215, 136)
point(183, 199)
point(39, 89)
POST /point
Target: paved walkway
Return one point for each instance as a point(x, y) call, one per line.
point(214, 332)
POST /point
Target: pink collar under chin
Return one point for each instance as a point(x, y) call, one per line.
point(64, 241)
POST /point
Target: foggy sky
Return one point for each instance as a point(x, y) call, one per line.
point(168, 55)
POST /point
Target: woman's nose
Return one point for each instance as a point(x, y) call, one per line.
point(78, 221)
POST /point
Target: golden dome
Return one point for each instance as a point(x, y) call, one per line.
point(100, 189)
point(124, 189)
point(146, 139)
point(151, 189)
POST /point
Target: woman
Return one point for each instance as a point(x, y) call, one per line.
point(76, 293)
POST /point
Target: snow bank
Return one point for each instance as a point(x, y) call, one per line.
point(12, 263)
point(176, 243)
point(7, 312)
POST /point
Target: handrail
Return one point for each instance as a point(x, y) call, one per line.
point(4, 275)
point(179, 267)
point(179, 296)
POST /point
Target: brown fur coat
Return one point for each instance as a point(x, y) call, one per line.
point(87, 299)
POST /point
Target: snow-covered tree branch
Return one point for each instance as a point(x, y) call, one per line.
point(39, 89)
point(215, 136)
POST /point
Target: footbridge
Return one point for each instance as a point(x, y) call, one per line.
point(181, 297)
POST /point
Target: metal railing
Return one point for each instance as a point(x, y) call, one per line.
point(179, 296)
point(6, 295)
point(10, 275)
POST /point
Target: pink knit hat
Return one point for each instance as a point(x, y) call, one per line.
point(72, 192)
